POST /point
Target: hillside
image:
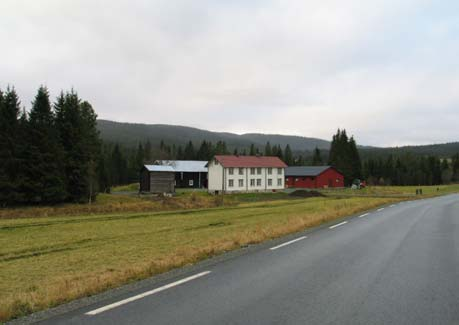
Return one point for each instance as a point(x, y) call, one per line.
point(130, 134)
point(441, 150)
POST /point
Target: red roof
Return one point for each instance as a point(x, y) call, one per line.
point(250, 161)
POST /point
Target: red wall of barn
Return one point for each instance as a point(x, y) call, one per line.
point(327, 178)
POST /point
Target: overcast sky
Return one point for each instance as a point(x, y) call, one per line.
point(386, 70)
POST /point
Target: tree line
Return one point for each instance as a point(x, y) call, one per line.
point(53, 154)
point(409, 169)
point(50, 154)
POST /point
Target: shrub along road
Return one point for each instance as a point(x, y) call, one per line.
point(393, 265)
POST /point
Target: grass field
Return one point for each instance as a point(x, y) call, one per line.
point(395, 191)
point(50, 260)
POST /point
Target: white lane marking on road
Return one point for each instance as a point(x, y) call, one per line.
point(380, 209)
point(340, 224)
point(363, 215)
point(288, 243)
point(145, 294)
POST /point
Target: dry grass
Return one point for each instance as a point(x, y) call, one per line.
point(109, 203)
point(48, 261)
point(395, 191)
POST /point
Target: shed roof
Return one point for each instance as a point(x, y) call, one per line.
point(250, 161)
point(185, 166)
point(306, 170)
point(159, 168)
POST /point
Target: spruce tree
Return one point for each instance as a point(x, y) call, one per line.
point(268, 150)
point(11, 149)
point(118, 167)
point(344, 156)
point(252, 151)
point(148, 151)
point(44, 176)
point(317, 158)
point(288, 156)
point(77, 127)
point(354, 157)
point(279, 152)
point(189, 151)
point(455, 167)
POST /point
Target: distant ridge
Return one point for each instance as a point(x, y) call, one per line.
point(130, 134)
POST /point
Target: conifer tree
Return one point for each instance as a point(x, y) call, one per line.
point(288, 156)
point(11, 149)
point(317, 158)
point(189, 153)
point(268, 149)
point(354, 157)
point(455, 168)
point(344, 156)
point(148, 150)
point(252, 151)
point(118, 167)
point(139, 157)
point(76, 124)
point(44, 176)
point(278, 152)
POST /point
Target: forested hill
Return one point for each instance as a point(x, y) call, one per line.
point(129, 135)
point(444, 150)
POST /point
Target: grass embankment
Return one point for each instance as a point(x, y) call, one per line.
point(395, 191)
point(114, 203)
point(50, 260)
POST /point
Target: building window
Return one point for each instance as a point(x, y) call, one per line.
point(230, 183)
point(279, 182)
point(259, 182)
point(279, 171)
point(241, 171)
point(258, 171)
point(252, 171)
point(252, 182)
point(241, 183)
point(231, 170)
point(270, 182)
point(270, 171)
point(190, 182)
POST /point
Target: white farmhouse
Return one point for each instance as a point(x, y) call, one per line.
point(231, 173)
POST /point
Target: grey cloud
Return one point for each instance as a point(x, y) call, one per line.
point(298, 67)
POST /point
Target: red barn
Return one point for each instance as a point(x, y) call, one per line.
point(313, 177)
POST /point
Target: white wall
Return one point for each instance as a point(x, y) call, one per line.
point(216, 177)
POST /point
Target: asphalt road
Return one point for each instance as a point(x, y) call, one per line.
point(399, 265)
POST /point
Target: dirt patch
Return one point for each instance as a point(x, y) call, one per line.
point(306, 194)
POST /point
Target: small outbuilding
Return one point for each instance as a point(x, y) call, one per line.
point(313, 177)
point(166, 175)
point(157, 179)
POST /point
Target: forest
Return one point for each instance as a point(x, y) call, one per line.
point(53, 153)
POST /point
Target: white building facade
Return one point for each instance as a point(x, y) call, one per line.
point(245, 174)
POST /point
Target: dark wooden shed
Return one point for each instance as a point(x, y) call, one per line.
point(157, 179)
